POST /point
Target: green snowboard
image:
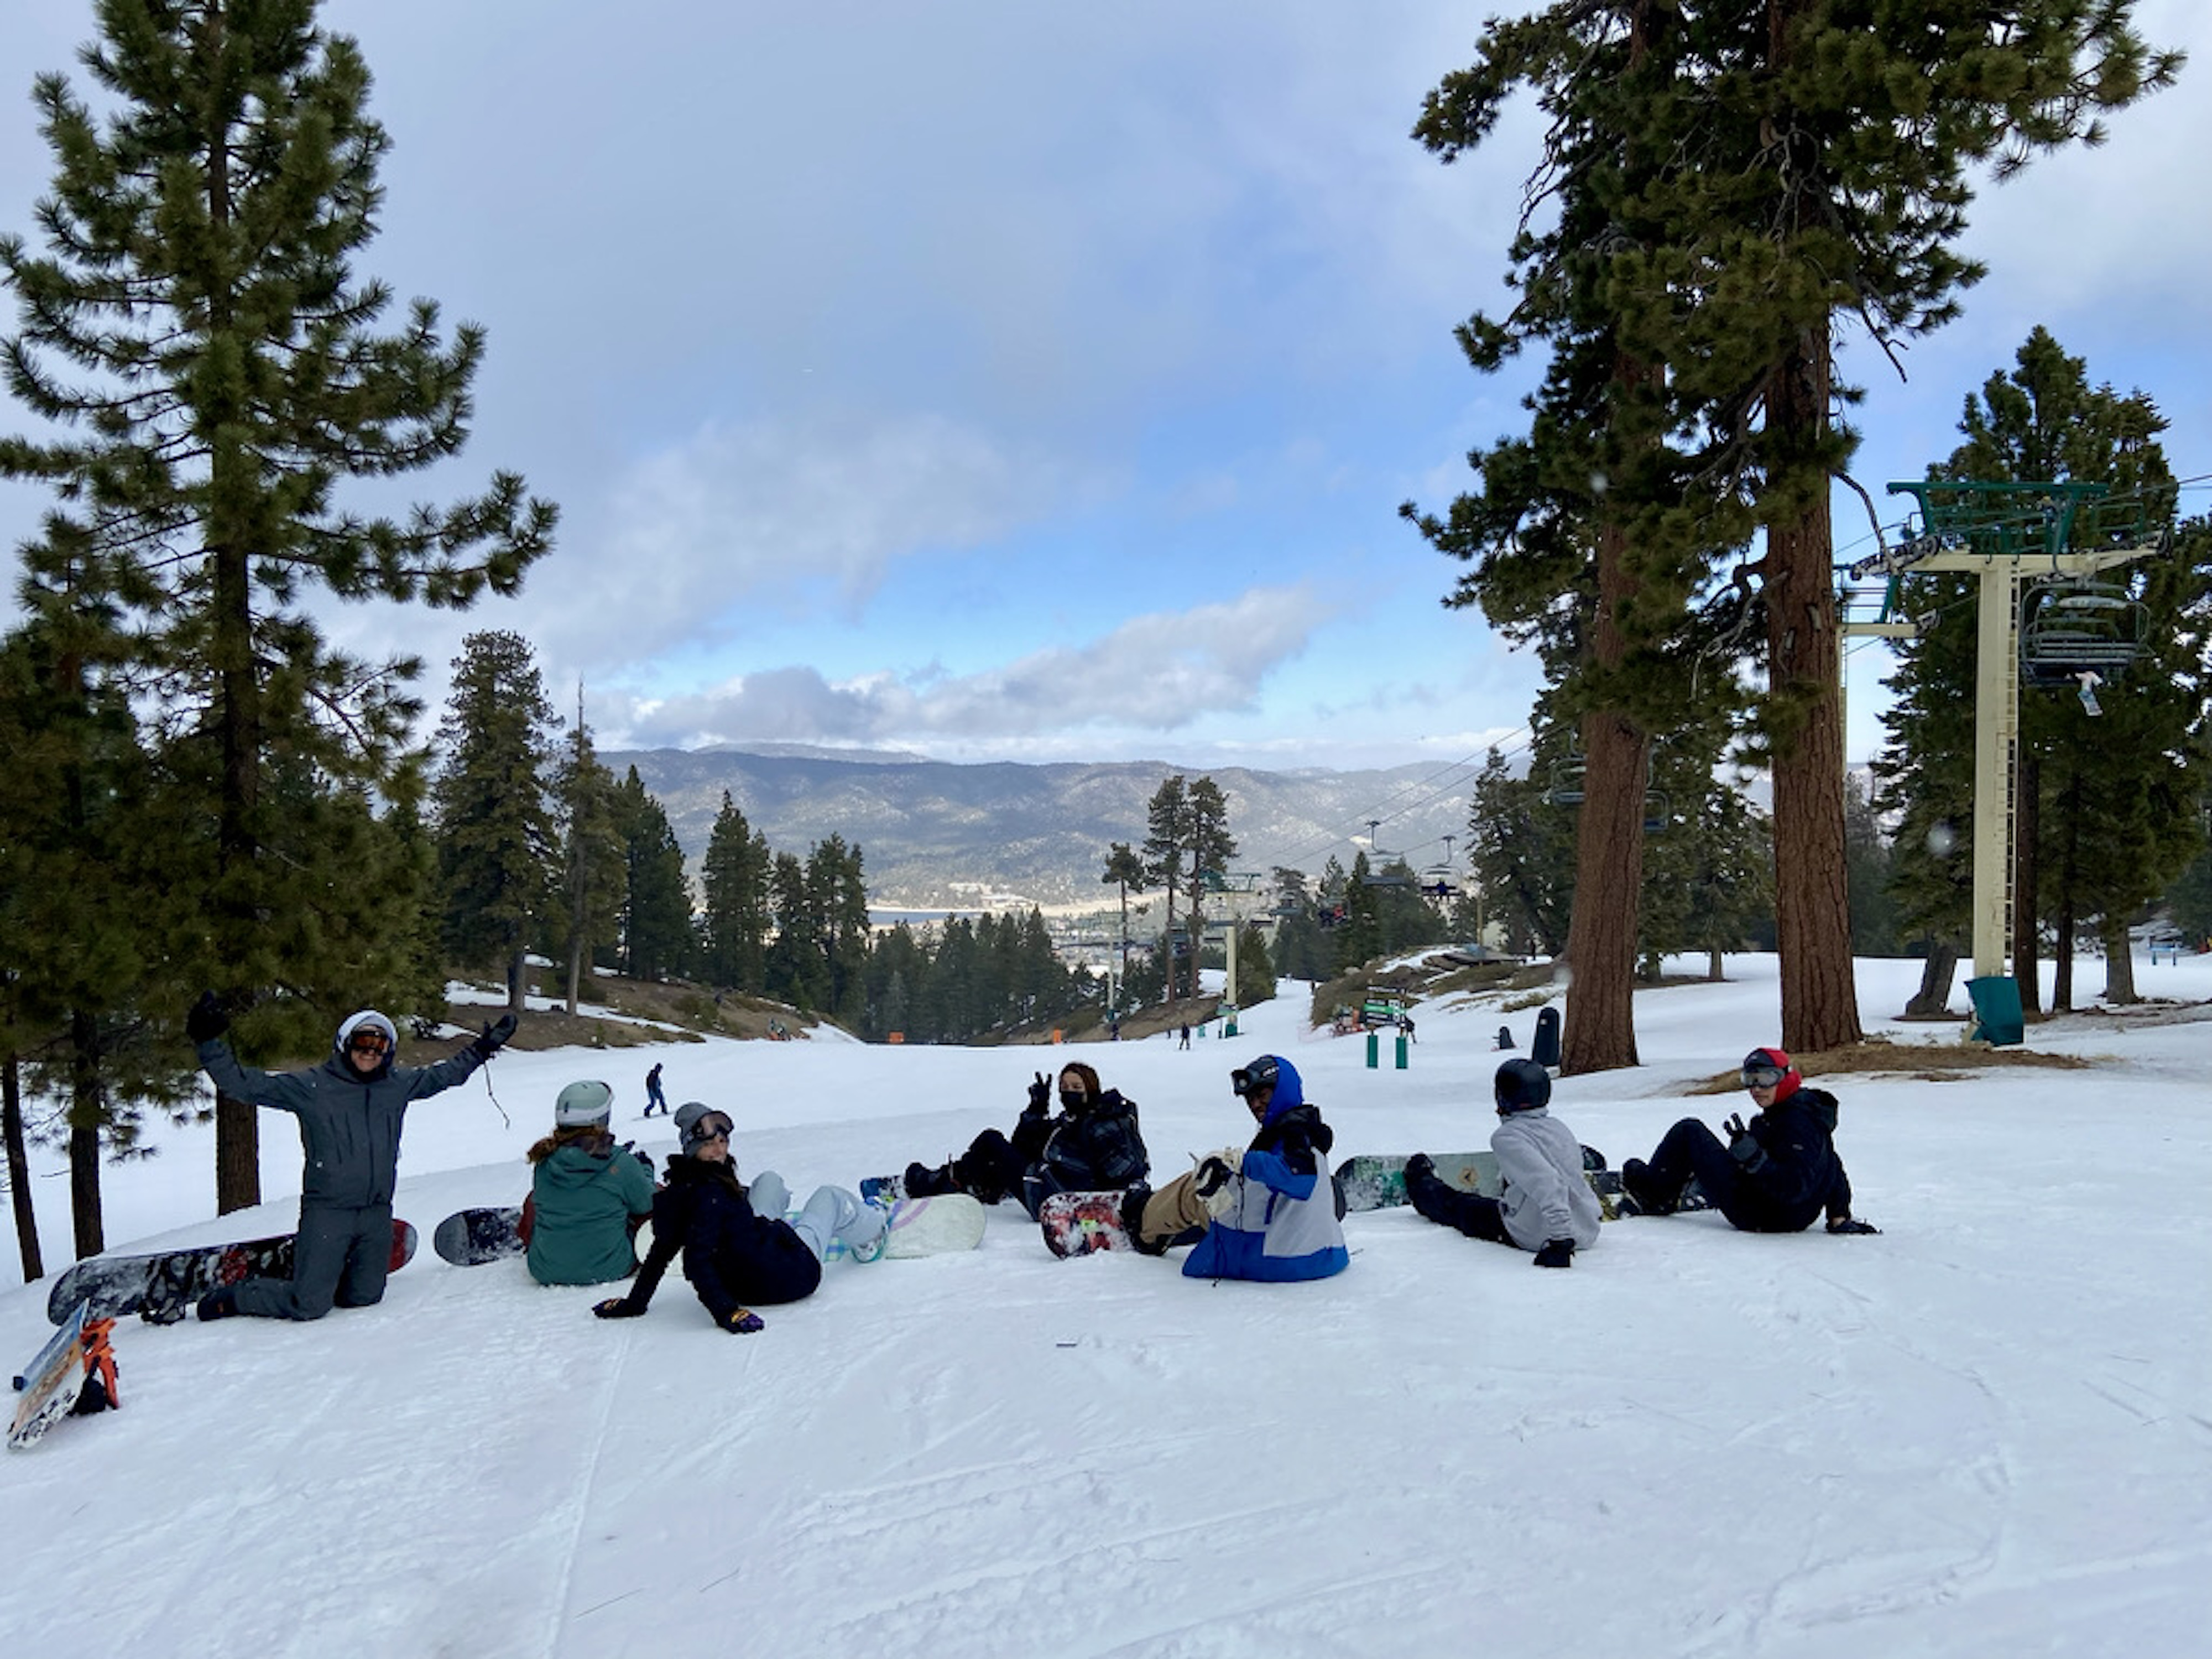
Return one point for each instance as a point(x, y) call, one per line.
point(1378, 1183)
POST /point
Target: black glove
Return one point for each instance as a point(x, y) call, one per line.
point(494, 1037)
point(1743, 1145)
point(1040, 1095)
point(742, 1321)
point(1419, 1167)
point(645, 1159)
point(1557, 1253)
point(1211, 1176)
point(1844, 1223)
point(204, 1021)
point(615, 1307)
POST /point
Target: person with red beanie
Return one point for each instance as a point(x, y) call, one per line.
point(1779, 1171)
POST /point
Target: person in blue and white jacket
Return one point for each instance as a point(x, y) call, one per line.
point(1546, 1204)
point(1271, 1213)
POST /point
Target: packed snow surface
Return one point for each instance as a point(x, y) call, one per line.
point(1986, 1432)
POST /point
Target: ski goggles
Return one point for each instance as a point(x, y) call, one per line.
point(1255, 1078)
point(713, 1126)
point(1763, 1076)
point(370, 1041)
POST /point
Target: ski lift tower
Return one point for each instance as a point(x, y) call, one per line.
point(2003, 533)
point(1232, 885)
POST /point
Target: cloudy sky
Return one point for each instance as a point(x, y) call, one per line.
point(1000, 380)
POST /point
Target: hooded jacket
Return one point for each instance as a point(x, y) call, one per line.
point(734, 1258)
point(583, 1196)
point(1545, 1196)
point(1283, 1223)
point(350, 1120)
point(1796, 1173)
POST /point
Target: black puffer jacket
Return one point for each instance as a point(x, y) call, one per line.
point(734, 1258)
point(1797, 1173)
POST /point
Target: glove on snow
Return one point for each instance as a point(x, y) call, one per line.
point(1844, 1223)
point(742, 1321)
point(204, 1021)
point(1557, 1253)
point(615, 1307)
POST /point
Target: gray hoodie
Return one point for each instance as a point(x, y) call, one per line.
point(1545, 1194)
point(350, 1122)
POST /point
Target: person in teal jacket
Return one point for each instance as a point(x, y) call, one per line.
point(587, 1193)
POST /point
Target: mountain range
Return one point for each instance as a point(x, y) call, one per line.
point(936, 835)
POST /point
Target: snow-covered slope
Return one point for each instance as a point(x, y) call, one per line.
point(1988, 1431)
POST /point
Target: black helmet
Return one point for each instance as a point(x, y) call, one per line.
point(1522, 1085)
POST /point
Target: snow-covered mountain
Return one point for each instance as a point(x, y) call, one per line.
point(933, 833)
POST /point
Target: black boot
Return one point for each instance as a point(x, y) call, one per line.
point(1636, 1183)
point(219, 1304)
point(930, 1183)
point(1133, 1219)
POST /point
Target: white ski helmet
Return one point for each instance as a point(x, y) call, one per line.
point(587, 1103)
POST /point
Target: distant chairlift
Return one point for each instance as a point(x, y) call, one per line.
point(1567, 790)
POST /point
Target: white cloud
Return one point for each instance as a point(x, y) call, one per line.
point(1154, 673)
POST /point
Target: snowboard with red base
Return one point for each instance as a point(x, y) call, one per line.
point(163, 1287)
point(73, 1375)
point(1077, 1224)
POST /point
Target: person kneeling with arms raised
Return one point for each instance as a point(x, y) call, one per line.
point(1545, 1204)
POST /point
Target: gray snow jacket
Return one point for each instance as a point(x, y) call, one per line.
point(349, 1123)
point(1546, 1195)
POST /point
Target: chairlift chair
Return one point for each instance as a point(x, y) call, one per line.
point(2069, 629)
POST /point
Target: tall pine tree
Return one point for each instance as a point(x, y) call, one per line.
point(196, 334)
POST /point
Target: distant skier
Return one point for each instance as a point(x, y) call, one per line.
point(350, 1109)
point(1777, 1173)
point(652, 1096)
point(737, 1247)
point(1271, 1211)
point(1185, 1044)
point(1546, 1206)
point(587, 1193)
point(1093, 1143)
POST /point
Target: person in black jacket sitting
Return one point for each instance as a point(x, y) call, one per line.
point(1092, 1143)
point(737, 1247)
point(1778, 1172)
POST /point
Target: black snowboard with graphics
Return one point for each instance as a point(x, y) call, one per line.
point(164, 1286)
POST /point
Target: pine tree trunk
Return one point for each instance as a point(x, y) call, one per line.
point(90, 1236)
point(237, 1125)
point(19, 1169)
point(518, 981)
point(2062, 956)
point(2026, 914)
point(1714, 973)
point(1600, 1030)
point(1933, 1000)
point(1812, 898)
point(2119, 963)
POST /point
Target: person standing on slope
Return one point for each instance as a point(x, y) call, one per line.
point(737, 1247)
point(1777, 1174)
point(652, 1096)
point(1271, 1211)
point(1545, 1205)
point(587, 1193)
point(351, 1108)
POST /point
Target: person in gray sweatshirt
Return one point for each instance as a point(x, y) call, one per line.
point(350, 1109)
point(1545, 1204)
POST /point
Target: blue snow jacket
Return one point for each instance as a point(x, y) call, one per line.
point(1284, 1223)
